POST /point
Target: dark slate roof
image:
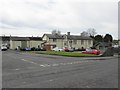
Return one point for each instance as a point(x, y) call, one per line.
point(5, 38)
point(20, 38)
point(76, 37)
point(26, 38)
point(35, 38)
point(55, 36)
point(72, 37)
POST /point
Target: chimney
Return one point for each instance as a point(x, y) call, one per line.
point(68, 33)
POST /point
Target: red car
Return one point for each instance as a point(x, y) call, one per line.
point(91, 51)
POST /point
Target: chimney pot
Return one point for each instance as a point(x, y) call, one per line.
point(68, 33)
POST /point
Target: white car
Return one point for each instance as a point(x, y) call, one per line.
point(57, 49)
point(3, 47)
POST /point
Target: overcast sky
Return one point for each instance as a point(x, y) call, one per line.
point(36, 17)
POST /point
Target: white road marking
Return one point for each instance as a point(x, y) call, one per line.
point(29, 61)
point(55, 64)
point(17, 69)
point(51, 80)
point(42, 65)
point(70, 63)
point(62, 64)
point(24, 82)
point(45, 65)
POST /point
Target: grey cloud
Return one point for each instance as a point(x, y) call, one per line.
point(47, 5)
point(22, 24)
point(66, 16)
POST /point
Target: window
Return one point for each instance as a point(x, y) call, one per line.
point(54, 40)
point(75, 41)
point(89, 42)
point(82, 42)
point(65, 44)
point(70, 41)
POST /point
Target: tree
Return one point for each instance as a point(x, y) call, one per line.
point(91, 31)
point(108, 38)
point(56, 32)
point(98, 38)
point(84, 33)
point(59, 32)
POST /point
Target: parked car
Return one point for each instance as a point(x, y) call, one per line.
point(57, 49)
point(3, 47)
point(33, 49)
point(25, 49)
point(68, 49)
point(80, 49)
point(91, 51)
point(28, 49)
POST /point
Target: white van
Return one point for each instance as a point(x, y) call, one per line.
point(3, 47)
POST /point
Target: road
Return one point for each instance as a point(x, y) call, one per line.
point(24, 70)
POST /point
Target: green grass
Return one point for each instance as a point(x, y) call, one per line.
point(70, 54)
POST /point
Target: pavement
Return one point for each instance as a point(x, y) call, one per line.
point(25, 70)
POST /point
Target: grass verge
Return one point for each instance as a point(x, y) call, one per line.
point(70, 54)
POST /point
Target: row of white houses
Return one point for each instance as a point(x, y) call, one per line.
point(24, 42)
point(49, 41)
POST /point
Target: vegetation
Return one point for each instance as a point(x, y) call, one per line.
point(108, 38)
point(100, 38)
point(97, 39)
point(91, 32)
point(56, 32)
point(71, 54)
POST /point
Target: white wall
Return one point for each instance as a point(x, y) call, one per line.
point(86, 44)
point(45, 38)
point(15, 44)
point(35, 44)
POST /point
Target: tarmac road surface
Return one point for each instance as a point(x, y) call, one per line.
point(24, 70)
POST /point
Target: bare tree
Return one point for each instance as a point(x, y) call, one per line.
point(59, 32)
point(91, 31)
point(56, 32)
